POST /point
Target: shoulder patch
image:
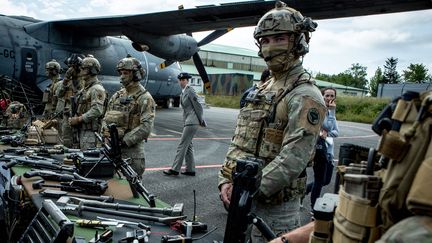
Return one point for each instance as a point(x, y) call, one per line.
point(313, 116)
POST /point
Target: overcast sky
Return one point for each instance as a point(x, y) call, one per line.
point(335, 45)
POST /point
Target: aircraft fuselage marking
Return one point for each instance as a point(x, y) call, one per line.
point(7, 53)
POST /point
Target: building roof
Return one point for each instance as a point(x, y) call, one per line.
point(325, 84)
point(232, 50)
point(213, 70)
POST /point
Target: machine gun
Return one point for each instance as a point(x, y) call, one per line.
point(80, 186)
point(68, 182)
point(112, 152)
point(35, 163)
point(246, 181)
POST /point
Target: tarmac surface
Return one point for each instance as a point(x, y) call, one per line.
point(210, 145)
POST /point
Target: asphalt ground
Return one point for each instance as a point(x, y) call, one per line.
point(210, 146)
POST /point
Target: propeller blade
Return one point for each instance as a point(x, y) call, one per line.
point(213, 36)
point(202, 72)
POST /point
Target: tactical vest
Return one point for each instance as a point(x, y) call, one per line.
point(48, 94)
point(370, 204)
point(84, 103)
point(260, 134)
point(125, 112)
point(257, 132)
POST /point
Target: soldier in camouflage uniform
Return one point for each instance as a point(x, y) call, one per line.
point(91, 103)
point(280, 122)
point(16, 115)
point(132, 109)
point(68, 87)
point(52, 70)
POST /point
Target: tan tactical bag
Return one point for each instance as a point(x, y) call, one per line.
point(406, 178)
point(406, 149)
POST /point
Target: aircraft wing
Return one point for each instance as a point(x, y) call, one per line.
point(211, 17)
point(202, 18)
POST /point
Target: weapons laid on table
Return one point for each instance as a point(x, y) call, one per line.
point(125, 222)
point(38, 163)
point(79, 184)
point(6, 130)
point(112, 152)
point(40, 151)
point(105, 222)
point(57, 194)
point(66, 206)
point(49, 225)
point(13, 140)
point(177, 210)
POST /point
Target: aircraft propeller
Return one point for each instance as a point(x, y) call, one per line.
point(197, 59)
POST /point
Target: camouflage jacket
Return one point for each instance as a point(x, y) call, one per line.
point(133, 110)
point(51, 100)
point(293, 134)
point(91, 101)
point(65, 91)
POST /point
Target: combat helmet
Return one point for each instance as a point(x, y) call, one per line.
point(133, 64)
point(92, 64)
point(53, 65)
point(286, 20)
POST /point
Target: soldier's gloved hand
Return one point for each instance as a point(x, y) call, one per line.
point(70, 74)
point(225, 193)
point(76, 120)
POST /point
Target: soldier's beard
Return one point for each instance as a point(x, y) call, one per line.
point(278, 57)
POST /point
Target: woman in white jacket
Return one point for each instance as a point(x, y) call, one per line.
point(323, 160)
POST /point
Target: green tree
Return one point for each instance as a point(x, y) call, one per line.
point(391, 76)
point(323, 77)
point(375, 81)
point(416, 73)
point(357, 75)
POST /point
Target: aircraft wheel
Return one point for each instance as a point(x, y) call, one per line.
point(176, 102)
point(167, 103)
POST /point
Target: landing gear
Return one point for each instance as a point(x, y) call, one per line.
point(176, 102)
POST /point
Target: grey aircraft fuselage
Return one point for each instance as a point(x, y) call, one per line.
point(23, 58)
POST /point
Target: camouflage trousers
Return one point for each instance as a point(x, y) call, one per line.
point(87, 139)
point(280, 218)
point(66, 134)
point(136, 155)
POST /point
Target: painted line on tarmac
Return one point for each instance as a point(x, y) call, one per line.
point(183, 167)
point(169, 130)
point(197, 167)
point(358, 128)
point(364, 136)
point(175, 139)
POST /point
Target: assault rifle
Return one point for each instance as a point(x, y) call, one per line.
point(42, 151)
point(5, 130)
point(13, 140)
point(72, 183)
point(35, 162)
point(112, 152)
point(246, 181)
point(73, 113)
